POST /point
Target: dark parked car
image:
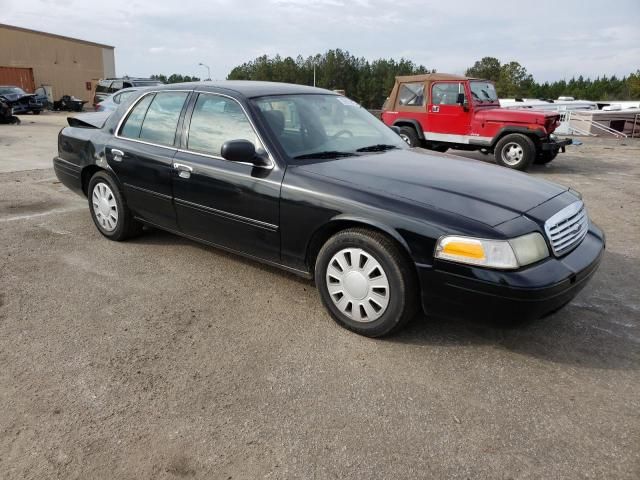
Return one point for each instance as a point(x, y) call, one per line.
point(21, 101)
point(307, 180)
point(109, 86)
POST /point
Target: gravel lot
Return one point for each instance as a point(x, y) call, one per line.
point(161, 358)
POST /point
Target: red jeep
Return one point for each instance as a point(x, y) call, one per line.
point(441, 111)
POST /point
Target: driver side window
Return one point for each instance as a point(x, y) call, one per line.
point(446, 93)
point(216, 120)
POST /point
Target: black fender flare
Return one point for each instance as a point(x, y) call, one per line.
point(537, 134)
point(410, 122)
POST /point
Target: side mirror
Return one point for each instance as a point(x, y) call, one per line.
point(242, 151)
point(462, 101)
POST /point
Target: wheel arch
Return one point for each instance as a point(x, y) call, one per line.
point(344, 222)
point(410, 122)
point(535, 135)
point(89, 171)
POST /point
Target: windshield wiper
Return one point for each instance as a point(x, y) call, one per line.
point(484, 92)
point(325, 154)
point(380, 147)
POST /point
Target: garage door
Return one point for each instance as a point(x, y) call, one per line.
point(22, 77)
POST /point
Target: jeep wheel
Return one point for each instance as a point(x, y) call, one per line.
point(545, 157)
point(515, 151)
point(409, 135)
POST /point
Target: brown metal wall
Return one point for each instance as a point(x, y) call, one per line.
point(65, 64)
point(22, 77)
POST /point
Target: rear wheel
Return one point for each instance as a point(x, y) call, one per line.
point(515, 151)
point(546, 157)
point(410, 136)
point(366, 282)
point(109, 210)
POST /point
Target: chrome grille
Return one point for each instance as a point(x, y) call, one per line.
point(566, 229)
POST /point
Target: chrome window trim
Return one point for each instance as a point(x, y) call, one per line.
point(216, 157)
point(116, 133)
point(253, 127)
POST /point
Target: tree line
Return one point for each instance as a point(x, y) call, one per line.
point(369, 82)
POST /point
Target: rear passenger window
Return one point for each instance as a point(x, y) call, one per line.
point(411, 94)
point(216, 120)
point(133, 123)
point(160, 123)
point(154, 119)
point(103, 86)
point(115, 86)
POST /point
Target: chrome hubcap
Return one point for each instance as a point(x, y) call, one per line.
point(104, 206)
point(512, 153)
point(406, 139)
point(358, 285)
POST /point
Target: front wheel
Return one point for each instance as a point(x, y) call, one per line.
point(515, 151)
point(109, 210)
point(366, 282)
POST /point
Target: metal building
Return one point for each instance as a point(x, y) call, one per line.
point(30, 59)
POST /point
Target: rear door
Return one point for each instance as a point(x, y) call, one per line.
point(231, 204)
point(446, 117)
point(142, 151)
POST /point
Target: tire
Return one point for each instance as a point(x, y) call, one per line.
point(515, 151)
point(36, 112)
point(109, 210)
point(382, 287)
point(545, 157)
point(410, 136)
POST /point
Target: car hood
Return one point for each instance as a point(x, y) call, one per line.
point(515, 115)
point(473, 189)
point(12, 97)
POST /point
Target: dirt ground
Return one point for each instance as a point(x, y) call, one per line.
point(159, 358)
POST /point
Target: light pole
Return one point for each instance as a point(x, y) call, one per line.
point(314, 73)
point(208, 70)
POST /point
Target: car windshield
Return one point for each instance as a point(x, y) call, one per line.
point(483, 91)
point(10, 90)
point(325, 126)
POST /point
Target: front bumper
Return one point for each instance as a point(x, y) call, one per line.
point(454, 290)
point(555, 145)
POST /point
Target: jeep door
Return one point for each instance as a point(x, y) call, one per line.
point(231, 204)
point(445, 115)
point(141, 155)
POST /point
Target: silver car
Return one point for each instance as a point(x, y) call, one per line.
point(112, 102)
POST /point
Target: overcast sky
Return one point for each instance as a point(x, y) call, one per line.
point(552, 39)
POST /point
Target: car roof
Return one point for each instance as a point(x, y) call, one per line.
point(249, 88)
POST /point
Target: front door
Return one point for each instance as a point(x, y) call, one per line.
point(234, 205)
point(141, 155)
point(447, 119)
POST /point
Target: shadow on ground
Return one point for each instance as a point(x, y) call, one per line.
point(600, 328)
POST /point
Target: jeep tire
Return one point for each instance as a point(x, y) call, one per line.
point(515, 151)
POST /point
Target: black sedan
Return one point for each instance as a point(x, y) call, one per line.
point(21, 101)
point(309, 181)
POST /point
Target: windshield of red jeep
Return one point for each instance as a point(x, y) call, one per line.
point(483, 92)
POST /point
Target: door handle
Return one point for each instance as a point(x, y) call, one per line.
point(118, 155)
point(184, 171)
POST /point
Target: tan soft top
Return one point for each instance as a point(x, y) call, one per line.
point(431, 77)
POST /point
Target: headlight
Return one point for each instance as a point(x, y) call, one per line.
point(502, 254)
